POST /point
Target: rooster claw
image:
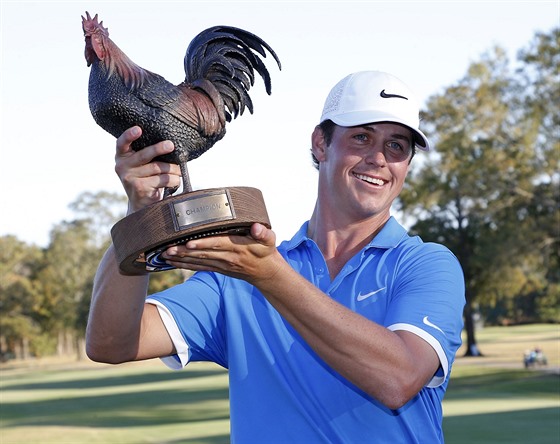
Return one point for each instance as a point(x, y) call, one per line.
point(169, 191)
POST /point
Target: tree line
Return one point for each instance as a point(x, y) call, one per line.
point(45, 292)
point(489, 191)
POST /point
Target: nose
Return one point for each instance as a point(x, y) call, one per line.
point(376, 156)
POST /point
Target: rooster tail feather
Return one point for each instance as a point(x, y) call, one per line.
point(227, 58)
point(214, 95)
point(236, 94)
point(231, 101)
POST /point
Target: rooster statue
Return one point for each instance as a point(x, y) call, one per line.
point(220, 65)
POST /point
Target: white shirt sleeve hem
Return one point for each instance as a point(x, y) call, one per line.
point(436, 381)
point(181, 358)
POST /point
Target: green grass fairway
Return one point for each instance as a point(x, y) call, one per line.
point(131, 403)
point(490, 406)
point(491, 399)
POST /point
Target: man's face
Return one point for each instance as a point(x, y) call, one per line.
point(363, 170)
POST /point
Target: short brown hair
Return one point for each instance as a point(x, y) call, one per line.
point(327, 126)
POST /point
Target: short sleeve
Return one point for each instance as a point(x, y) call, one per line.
point(428, 298)
point(192, 313)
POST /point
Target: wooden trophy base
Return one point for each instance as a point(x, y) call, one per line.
point(141, 237)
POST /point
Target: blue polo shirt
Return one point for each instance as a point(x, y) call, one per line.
point(280, 390)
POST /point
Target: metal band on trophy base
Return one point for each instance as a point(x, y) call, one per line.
point(141, 237)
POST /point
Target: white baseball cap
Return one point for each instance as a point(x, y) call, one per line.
point(374, 96)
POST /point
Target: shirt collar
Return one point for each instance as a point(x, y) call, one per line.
point(390, 236)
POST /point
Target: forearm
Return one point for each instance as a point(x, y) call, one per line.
point(369, 355)
point(115, 318)
point(390, 366)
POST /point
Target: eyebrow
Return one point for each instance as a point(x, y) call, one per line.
point(409, 138)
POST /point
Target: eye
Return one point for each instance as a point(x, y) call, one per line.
point(396, 146)
point(361, 137)
point(397, 150)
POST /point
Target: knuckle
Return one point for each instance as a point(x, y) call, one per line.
point(119, 169)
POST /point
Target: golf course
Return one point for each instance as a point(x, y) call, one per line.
point(491, 399)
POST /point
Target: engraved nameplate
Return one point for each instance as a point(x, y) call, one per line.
point(201, 209)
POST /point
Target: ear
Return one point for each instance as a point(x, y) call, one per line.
point(318, 144)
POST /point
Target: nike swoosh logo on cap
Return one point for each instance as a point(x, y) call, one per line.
point(388, 96)
point(361, 297)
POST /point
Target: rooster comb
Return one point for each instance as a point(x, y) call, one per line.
point(90, 25)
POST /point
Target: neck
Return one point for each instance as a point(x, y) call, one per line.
point(340, 239)
point(133, 75)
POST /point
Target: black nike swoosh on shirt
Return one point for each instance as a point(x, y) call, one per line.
point(388, 96)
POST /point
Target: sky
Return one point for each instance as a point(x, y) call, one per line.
point(52, 151)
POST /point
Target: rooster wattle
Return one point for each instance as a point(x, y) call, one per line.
point(220, 65)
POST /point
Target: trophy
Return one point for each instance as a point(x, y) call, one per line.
point(220, 65)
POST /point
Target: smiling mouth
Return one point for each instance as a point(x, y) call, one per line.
point(369, 179)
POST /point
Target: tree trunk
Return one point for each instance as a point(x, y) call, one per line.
point(25, 348)
point(472, 347)
point(80, 347)
point(22, 349)
point(65, 344)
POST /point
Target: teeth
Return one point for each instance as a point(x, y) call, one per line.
point(369, 179)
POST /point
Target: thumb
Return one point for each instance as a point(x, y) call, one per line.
point(126, 139)
point(263, 234)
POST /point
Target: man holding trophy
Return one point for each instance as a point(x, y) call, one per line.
point(347, 332)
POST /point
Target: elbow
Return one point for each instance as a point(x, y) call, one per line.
point(397, 400)
point(398, 394)
point(105, 352)
point(102, 354)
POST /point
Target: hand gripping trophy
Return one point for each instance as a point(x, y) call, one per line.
point(220, 65)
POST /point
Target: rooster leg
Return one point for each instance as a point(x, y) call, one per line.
point(187, 187)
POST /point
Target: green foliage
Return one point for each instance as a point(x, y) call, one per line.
point(490, 190)
point(45, 293)
point(43, 344)
point(167, 279)
point(99, 211)
point(19, 296)
point(71, 261)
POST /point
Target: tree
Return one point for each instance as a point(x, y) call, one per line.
point(540, 74)
point(99, 211)
point(45, 293)
point(19, 264)
point(475, 192)
point(70, 263)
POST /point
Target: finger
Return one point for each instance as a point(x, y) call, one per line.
point(126, 139)
point(158, 181)
point(188, 257)
point(198, 248)
point(167, 171)
point(132, 164)
point(192, 265)
point(149, 153)
point(155, 168)
point(145, 155)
